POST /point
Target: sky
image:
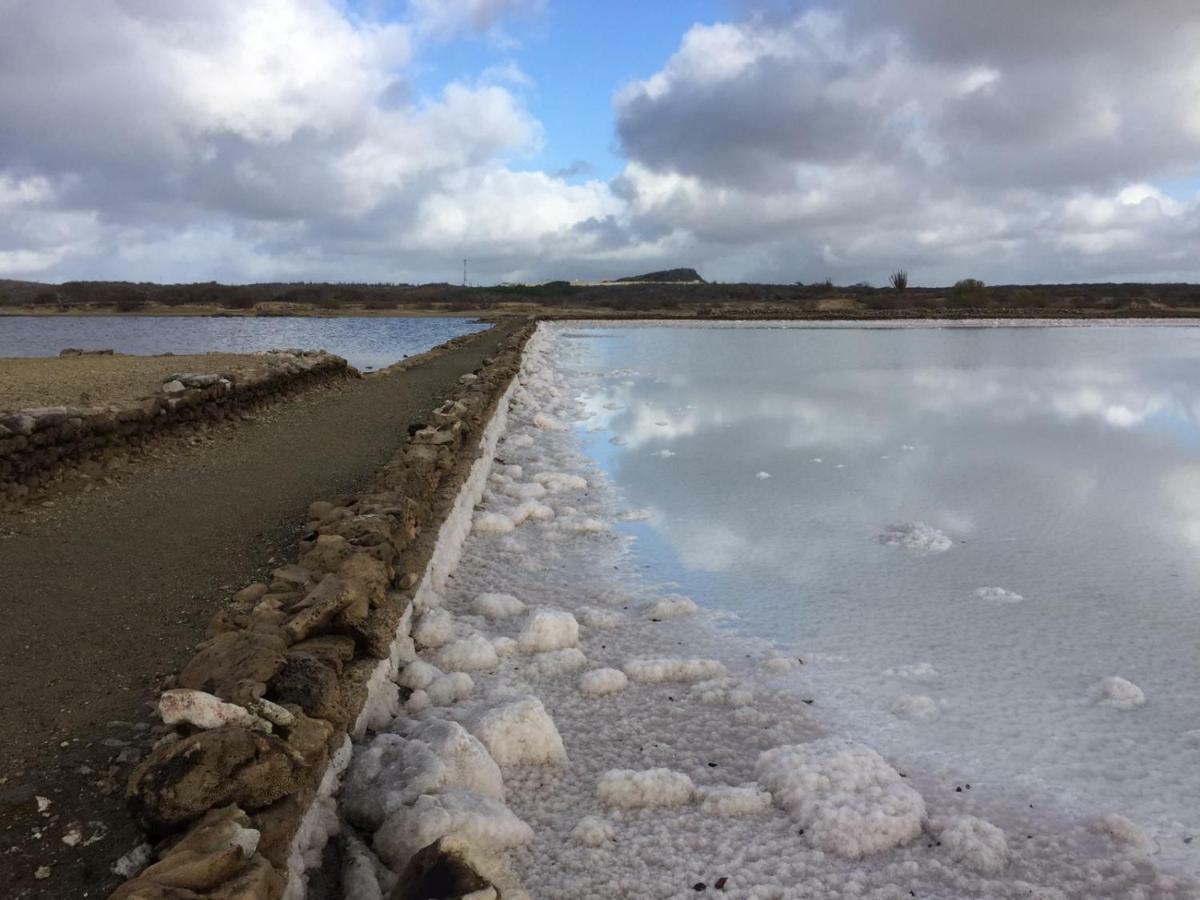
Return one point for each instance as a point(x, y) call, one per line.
point(755, 140)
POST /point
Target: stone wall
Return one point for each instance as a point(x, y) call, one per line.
point(38, 445)
point(232, 798)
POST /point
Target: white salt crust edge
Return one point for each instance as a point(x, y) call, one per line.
point(382, 701)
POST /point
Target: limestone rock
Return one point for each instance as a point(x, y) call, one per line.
point(308, 682)
point(318, 608)
point(181, 781)
point(224, 662)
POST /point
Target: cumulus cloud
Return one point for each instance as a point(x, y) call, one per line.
point(292, 139)
point(959, 139)
point(274, 139)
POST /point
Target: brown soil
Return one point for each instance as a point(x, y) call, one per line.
point(101, 380)
point(104, 593)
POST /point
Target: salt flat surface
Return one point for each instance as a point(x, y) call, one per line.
point(649, 749)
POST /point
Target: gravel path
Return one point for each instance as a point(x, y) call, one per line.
point(100, 380)
point(105, 593)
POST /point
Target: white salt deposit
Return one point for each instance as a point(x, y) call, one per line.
point(418, 675)
point(651, 787)
point(1118, 693)
point(849, 801)
point(1126, 835)
point(557, 662)
point(600, 619)
point(593, 831)
point(665, 454)
point(520, 732)
point(493, 523)
point(450, 688)
point(916, 537)
point(762, 476)
point(598, 682)
point(480, 821)
point(548, 629)
point(669, 607)
point(659, 669)
point(498, 606)
point(998, 595)
point(713, 812)
point(972, 841)
point(917, 707)
point(470, 654)
point(744, 800)
point(434, 628)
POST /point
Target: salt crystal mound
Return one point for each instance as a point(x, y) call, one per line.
point(777, 664)
point(599, 682)
point(653, 671)
point(450, 688)
point(669, 608)
point(470, 654)
point(663, 851)
point(548, 629)
point(481, 822)
point(1125, 835)
point(1118, 693)
point(972, 841)
point(722, 692)
point(392, 771)
point(434, 628)
point(599, 619)
point(916, 537)
point(998, 595)
point(498, 606)
point(653, 787)
point(744, 800)
point(520, 732)
point(418, 675)
point(762, 476)
point(849, 801)
point(557, 662)
point(915, 707)
point(493, 523)
point(592, 831)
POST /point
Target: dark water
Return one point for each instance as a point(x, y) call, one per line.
point(365, 342)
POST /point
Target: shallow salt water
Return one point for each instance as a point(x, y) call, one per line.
point(364, 341)
point(1053, 478)
point(580, 709)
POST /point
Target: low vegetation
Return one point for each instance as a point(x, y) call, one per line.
point(968, 296)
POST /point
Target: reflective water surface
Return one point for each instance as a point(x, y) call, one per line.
point(1061, 463)
point(366, 342)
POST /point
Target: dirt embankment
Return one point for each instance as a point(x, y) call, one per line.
point(107, 594)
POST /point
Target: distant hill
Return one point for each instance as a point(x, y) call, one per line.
point(676, 276)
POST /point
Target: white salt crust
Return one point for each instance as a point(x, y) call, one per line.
point(1118, 693)
point(916, 537)
point(741, 781)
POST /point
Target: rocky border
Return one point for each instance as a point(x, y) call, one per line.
point(38, 445)
point(236, 798)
